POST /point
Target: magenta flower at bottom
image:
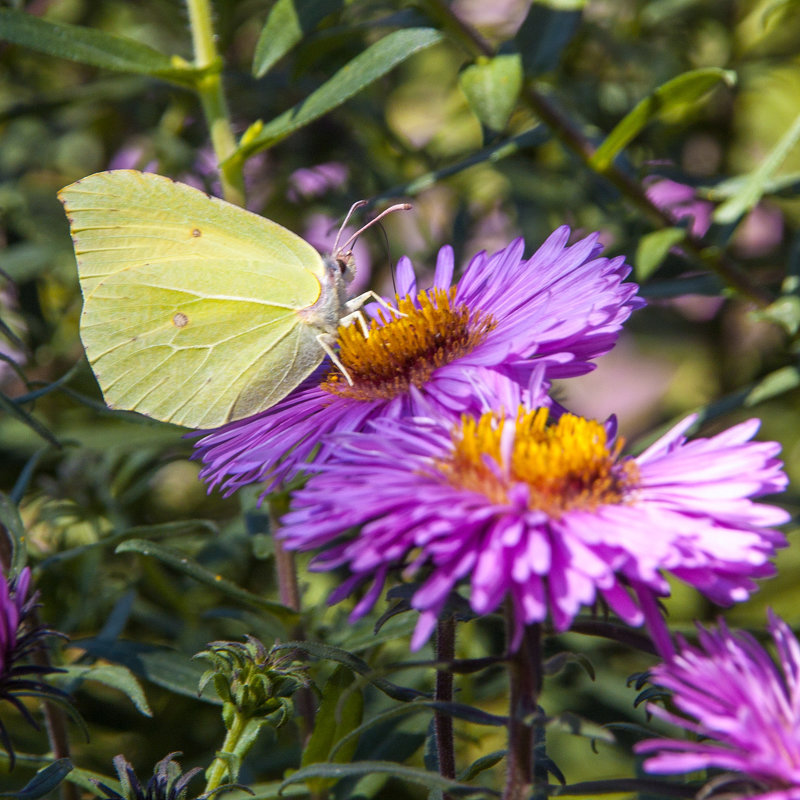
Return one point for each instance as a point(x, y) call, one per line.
point(744, 708)
point(550, 516)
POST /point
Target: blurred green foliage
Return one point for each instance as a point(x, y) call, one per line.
point(487, 146)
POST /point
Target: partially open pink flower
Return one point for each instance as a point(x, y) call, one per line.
point(742, 709)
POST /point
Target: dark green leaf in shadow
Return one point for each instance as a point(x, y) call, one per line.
point(328, 653)
point(113, 675)
point(481, 765)
point(288, 22)
point(653, 248)
point(359, 73)
point(11, 524)
point(431, 780)
point(42, 782)
point(13, 410)
point(671, 97)
point(188, 566)
point(159, 665)
point(543, 36)
point(338, 715)
point(93, 47)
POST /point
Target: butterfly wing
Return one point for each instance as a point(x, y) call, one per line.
point(190, 303)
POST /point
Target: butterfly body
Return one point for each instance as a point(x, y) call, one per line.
point(196, 312)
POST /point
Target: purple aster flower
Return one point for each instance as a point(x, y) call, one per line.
point(507, 316)
point(681, 201)
point(20, 637)
point(310, 182)
point(744, 708)
point(550, 516)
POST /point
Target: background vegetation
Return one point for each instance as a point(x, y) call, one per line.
point(488, 116)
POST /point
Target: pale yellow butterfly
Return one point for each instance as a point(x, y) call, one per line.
point(196, 311)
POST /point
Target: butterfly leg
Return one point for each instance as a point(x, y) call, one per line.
point(326, 342)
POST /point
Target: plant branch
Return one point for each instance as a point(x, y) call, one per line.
point(212, 99)
point(443, 723)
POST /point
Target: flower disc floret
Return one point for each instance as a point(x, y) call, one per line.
point(565, 466)
point(508, 320)
point(549, 516)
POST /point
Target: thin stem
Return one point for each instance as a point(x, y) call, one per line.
point(443, 723)
point(525, 680)
point(219, 767)
point(575, 140)
point(289, 595)
point(212, 98)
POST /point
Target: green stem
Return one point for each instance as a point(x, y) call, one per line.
point(212, 98)
point(219, 766)
point(576, 141)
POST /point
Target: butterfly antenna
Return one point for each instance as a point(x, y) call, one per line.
point(358, 204)
point(390, 210)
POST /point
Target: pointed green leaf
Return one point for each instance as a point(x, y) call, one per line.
point(547, 30)
point(359, 73)
point(756, 183)
point(673, 96)
point(11, 524)
point(182, 563)
point(492, 87)
point(160, 665)
point(42, 782)
point(93, 47)
point(338, 714)
point(288, 22)
point(653, 248)
point(113, 675)
point(354, 663)
point(781, 380)
point(431, 780)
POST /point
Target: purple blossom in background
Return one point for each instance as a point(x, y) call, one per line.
point(681, 201)
point(507, 318)
point(550, 516)
point(310, 182)
point(744, 708)
point(20, 636)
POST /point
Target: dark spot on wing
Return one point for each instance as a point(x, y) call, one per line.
point(197, 233)
point(180, 320)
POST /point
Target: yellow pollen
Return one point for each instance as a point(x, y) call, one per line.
point(401, 352)
point(566, 465)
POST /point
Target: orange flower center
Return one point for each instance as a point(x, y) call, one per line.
point(566, 465)
point(401, 352)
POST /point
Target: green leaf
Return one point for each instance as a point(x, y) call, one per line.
point(93, 47)
point(653, 248)
point(757, 182)
point(184, 564)
point(781, 380)
point(492, 87)
point(160, 665)
point(359, 73)
point(338, 714)
point(11, 524)
point(547, 30)
point(113, 675)
point(431, 780)
point(671, 97)
point(288, 22)
point(481, 764)
point(354, 663)
point(785, 311)
point(42, 782)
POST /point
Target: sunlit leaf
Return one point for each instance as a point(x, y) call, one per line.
point(91, 46)
point(287, 23)
point(359, 73)
point(685, 90)
point(756, 184)
point(653, 248)
point(113, 675)
point(492, 87)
